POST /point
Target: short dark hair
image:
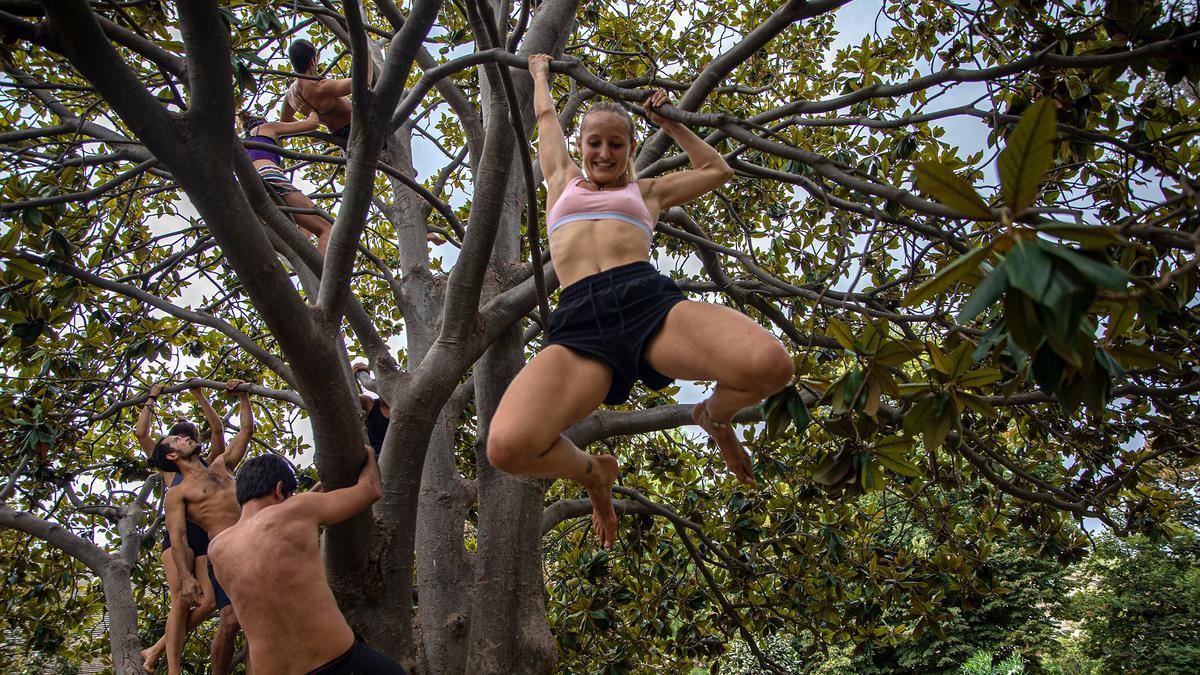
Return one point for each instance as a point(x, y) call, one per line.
point(158, 459)
point(184, 428)
point(258, 477)
point(301, 53)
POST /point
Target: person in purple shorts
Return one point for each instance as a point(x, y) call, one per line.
point(269, 165)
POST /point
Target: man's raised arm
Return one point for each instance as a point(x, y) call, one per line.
point(236, 449)
point(141, 429)
point(216, 443)
point(325, 508)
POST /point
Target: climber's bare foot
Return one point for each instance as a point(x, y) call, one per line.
point(149, 658)
point(736, 457)
point(601, 474)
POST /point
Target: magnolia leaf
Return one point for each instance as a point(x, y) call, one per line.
point(979, 377)
point(1027, 156)
point(947, 276)
point(872, 479)
point(1120, 318)
point(895, 353)
point(977, 403)
point(893, 445)
point(985, 294)
point(1028, 269)
point(898, 465)
point(1088, 236)
point(798, 412)
point(1137, 356)
point(1102, 274)
point(833, 467)
point(943, 185)
point(939, 429)
point(841, 332)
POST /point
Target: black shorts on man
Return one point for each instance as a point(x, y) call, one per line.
point(360, 660)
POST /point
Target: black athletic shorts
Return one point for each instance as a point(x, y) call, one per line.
point(343, 136)
point(218, 592)
point(197, 539)
point(360, 660)
point(611, 316)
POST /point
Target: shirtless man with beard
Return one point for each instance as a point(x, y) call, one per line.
point(270, 562)
point(206, 497)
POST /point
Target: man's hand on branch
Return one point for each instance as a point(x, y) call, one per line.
point(231, 387)
point(157, 388)
point(539, 66)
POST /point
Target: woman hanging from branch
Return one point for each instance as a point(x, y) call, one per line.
point(269, 166)
point(618, 320)
point(180, 619)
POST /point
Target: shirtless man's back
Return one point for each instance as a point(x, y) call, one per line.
point(270, 564)
point(324, 96)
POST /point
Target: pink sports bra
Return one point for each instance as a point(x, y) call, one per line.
point(577, 203)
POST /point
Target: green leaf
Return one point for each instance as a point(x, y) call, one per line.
point(979, 377)
point(946, 277)
point(939, 429)
point(943, 185)
point(898, 465)
point(987, 293)
point(895, 353)
point(1028, 269)
point(1103, 275)
point(841, 332)
point(1088, 236)
point(833, 467)
point(228, 16)
point(1027, 156)
point(871, 478)
point(1047, 369)
point(1021, 317)
point(9, 239)
point(798, 412)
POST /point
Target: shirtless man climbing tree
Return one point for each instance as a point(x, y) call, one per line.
point(206, 497)
point(324, 96)
point(270, 563)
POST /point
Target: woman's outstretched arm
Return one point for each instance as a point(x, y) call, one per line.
point(278, 129)
point(709, 170)
point(553, 156)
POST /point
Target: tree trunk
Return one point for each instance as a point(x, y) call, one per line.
point(124, 644)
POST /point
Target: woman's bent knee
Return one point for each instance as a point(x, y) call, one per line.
point(768, 368)
point(504, 451)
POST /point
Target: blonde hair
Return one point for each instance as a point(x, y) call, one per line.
point(620, 111)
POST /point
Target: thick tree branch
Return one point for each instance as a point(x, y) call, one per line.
point(220, 325)
point(716, 70)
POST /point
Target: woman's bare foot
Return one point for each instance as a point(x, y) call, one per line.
point(736, 457)
point(601, 473)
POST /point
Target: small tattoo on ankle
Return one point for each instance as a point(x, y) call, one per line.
point(589, 467)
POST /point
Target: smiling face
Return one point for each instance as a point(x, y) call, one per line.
point(606, 145)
